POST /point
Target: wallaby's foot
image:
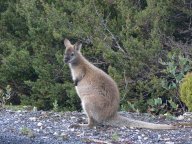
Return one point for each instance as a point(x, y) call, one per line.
point(86, 125)
point(75, 126)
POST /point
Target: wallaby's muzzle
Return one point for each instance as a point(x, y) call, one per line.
point(66, 59)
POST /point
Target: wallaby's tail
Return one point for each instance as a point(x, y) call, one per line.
point(123, 121)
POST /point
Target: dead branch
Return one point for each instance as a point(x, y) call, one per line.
point(104, 24)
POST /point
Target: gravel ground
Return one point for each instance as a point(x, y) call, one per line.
point(40, 127)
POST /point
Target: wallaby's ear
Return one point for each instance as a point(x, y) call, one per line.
point(78, 46)
point(67, 43)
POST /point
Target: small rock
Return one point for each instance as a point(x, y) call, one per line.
point(63, 121)
point(189, 114)
point(139, 137)
point(55, 134)
point(16, 122)
point(37, 130)
point(72, 129)
point(181, 117)
point(49, 127)
point(19, 111)
point(158, 137)
point(45, 137)
point(20, 115)
point(64, 136)
point(166, 139)
point(169, 143)
point(73, 118)
point(32, 118)
point(39, 124)
point(145, 138)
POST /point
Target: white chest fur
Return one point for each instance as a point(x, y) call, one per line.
point(72, 72)
point(74, 77)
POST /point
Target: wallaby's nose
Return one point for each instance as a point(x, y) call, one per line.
point(66, 59)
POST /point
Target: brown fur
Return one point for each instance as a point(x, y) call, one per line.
point(98, 92)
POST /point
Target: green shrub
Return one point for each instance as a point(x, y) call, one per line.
point(5, 96)
point(174, 70)
point(124, 38)
point(186, 91)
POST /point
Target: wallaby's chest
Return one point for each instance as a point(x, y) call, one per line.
point(84, 89)
point(77, 73)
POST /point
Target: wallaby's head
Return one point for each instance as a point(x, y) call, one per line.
point(72, 52)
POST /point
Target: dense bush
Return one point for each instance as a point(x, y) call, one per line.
point(186, 91)
point(126, 38)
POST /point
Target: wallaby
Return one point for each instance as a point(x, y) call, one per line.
point(98, 92)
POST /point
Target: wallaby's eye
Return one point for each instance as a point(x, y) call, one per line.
point(72, 54)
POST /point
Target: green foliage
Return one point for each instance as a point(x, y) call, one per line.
point(124, 38)
point(27, 131)
point(32, 62)
point(55, 106)
point(5, 96)
point(130, 107)
point(156, 106)
point(175, 69)
point(174, 106)
point(115, 137)
point(186, 91)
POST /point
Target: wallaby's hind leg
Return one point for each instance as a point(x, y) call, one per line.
point(91, 121)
